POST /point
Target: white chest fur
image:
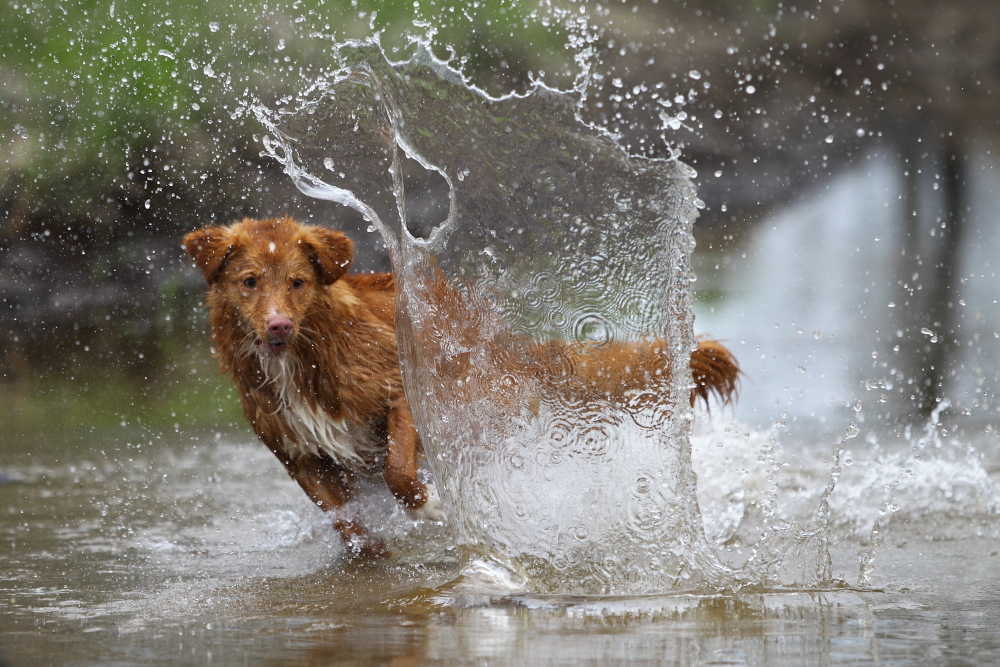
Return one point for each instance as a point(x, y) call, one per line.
point(316, 432)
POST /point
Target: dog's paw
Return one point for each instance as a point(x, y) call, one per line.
point(432, 510)
point(367, 546)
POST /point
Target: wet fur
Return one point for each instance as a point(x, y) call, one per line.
point(328, 400)
point(330, 403)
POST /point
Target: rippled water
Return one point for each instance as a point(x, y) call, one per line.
point(199, 550)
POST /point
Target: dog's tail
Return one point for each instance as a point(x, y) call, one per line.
point(714, 370)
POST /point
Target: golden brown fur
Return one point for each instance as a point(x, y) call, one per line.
point(340, 354)
point(313, 351)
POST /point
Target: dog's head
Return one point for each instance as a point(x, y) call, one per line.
point(270, 272)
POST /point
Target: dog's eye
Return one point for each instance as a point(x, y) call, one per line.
point(298, 283)
point(250, 282)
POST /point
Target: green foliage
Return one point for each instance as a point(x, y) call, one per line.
point(93, 392)
point(107, 398)
point(95, 90)
point(151, 371)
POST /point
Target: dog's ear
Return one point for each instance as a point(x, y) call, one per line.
point(330, 252)
point(209, 247)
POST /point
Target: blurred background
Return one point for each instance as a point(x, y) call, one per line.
point(845, 152)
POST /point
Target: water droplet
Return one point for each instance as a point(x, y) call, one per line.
point(829, 139)
point(593, 329)
point(718, 113)
point(860, 132)
point(213, 26)
point(148, 203)
point(694, 74)
point(751, 90)
point(328, 163)
point(371, 228)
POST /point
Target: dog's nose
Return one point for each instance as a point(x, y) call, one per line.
point(280, 327)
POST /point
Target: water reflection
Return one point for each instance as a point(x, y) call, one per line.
point(824, 306)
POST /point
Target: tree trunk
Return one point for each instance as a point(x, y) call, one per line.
point(942, 305)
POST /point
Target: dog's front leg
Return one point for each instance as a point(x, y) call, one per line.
point(328, 485)
point(401, 465)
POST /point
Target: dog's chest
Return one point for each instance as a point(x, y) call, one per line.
point(316, 431)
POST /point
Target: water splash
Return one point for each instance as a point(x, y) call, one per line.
point(759, 493)
point(867, 557)
point(560, 254)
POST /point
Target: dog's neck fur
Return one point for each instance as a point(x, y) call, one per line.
point(316, 430)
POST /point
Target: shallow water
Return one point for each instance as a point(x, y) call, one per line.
point(199, 550)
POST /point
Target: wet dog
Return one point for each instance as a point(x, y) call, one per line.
point(313, 351)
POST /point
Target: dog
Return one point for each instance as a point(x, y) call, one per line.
point(312, 349)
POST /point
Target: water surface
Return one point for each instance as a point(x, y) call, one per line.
point(199, 550)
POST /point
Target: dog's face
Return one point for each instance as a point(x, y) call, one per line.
point(271, 272)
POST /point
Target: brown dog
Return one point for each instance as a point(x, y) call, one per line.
point(312, 349)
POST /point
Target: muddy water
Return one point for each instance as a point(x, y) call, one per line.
point(197, 549)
